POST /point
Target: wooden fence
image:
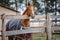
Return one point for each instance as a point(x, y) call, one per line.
point(15, 32)
point(31, 30)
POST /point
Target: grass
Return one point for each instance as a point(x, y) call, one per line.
point(57, 36)
point(39, 37)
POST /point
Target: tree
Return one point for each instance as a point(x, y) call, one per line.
point(11, 4)
point(40, 5)
point(4, 2)
point(1, 1)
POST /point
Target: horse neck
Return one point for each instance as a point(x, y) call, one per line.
point(25, 21)
point(25, 13)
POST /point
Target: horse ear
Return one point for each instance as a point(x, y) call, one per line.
point(28, 3)
point(34, 3)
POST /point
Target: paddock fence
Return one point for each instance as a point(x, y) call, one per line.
point(33, 29)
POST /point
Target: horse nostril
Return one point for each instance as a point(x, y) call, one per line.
point(33, 17)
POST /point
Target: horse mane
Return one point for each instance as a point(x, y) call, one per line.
point(25, 11)
point(25, 21)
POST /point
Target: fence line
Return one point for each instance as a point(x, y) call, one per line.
point(33, 30)
point(7, 33)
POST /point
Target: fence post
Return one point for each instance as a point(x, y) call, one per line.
point(49, 27)
point(3, 26)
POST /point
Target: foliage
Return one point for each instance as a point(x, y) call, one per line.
point(39, 10)
point(20, 1)
point(50, 5)
point(4, 2)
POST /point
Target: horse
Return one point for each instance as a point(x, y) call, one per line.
point(17, 24)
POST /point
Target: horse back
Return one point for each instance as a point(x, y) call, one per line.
point(13, 24)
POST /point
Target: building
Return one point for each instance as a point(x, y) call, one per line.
point(6, 11)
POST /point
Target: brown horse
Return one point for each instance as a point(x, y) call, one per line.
point(30, 13)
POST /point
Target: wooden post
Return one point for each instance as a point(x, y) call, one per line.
point(3, 26)
point(46, 27)
point(49, 28)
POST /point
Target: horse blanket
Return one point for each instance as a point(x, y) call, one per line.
point(16, 24)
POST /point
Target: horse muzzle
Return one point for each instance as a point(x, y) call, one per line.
point(32, 17)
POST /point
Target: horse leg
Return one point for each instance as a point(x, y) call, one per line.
point(10, 37)
point(29, 36)
point(18, 38)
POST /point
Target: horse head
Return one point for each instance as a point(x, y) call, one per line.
point(30, 10)
point(30, 13)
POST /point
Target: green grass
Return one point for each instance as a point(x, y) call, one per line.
point(39, 37)
point(57, 36)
